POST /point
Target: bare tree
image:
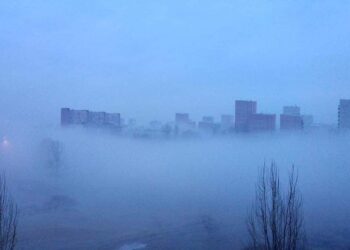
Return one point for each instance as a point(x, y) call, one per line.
point(276, 219)
point(8, 218)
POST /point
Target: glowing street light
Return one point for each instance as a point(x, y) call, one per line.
point(5, 142)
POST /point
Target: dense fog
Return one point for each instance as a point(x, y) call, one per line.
point(96, 190)
point(83, 182)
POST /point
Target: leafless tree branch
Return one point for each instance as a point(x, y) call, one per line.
point(276, 220)
point(8, 218)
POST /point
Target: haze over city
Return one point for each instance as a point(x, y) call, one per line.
point(202, 125)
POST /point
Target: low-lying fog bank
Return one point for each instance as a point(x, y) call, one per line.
point(87, 190)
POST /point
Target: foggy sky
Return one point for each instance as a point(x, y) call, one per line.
point(150, 59)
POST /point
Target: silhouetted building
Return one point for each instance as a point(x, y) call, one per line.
point(71, 116)
point(262, 122)
point(183, 124)
point(113, 119)
point(344, 114)
point(65, 116)
point(209, 119)
point(97, 118)
point(86, 117)
point(207, 124)
point(80, 116)
point(291, 122)
point(291, 118)
point(243, 111)
point(182, 118)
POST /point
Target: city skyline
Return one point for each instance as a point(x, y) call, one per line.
point(246, 118)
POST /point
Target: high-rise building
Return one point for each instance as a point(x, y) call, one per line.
point(79, 116)
point(344, 114)
point(183, 124)
point(291, 122)
point(208, 119)
point(248, 120)
point(182, 118)
point(113, 119)
point(65, 116)
point(86, 117)
point(291, 118)
point(97, 118)
point(243, 111)
point(207, 123)
point(71, 116)
point(262, 123)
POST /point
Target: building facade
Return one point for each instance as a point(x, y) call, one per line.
point(182, 118)
point(207, 124)
point(243, 112)
point(86, 117)
point(291, 118)
point(262, 123)
point(65, 116)
point(291, 122)
point(183, 124)
point(344, 114)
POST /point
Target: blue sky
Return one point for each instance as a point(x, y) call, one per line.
point(150, 59)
